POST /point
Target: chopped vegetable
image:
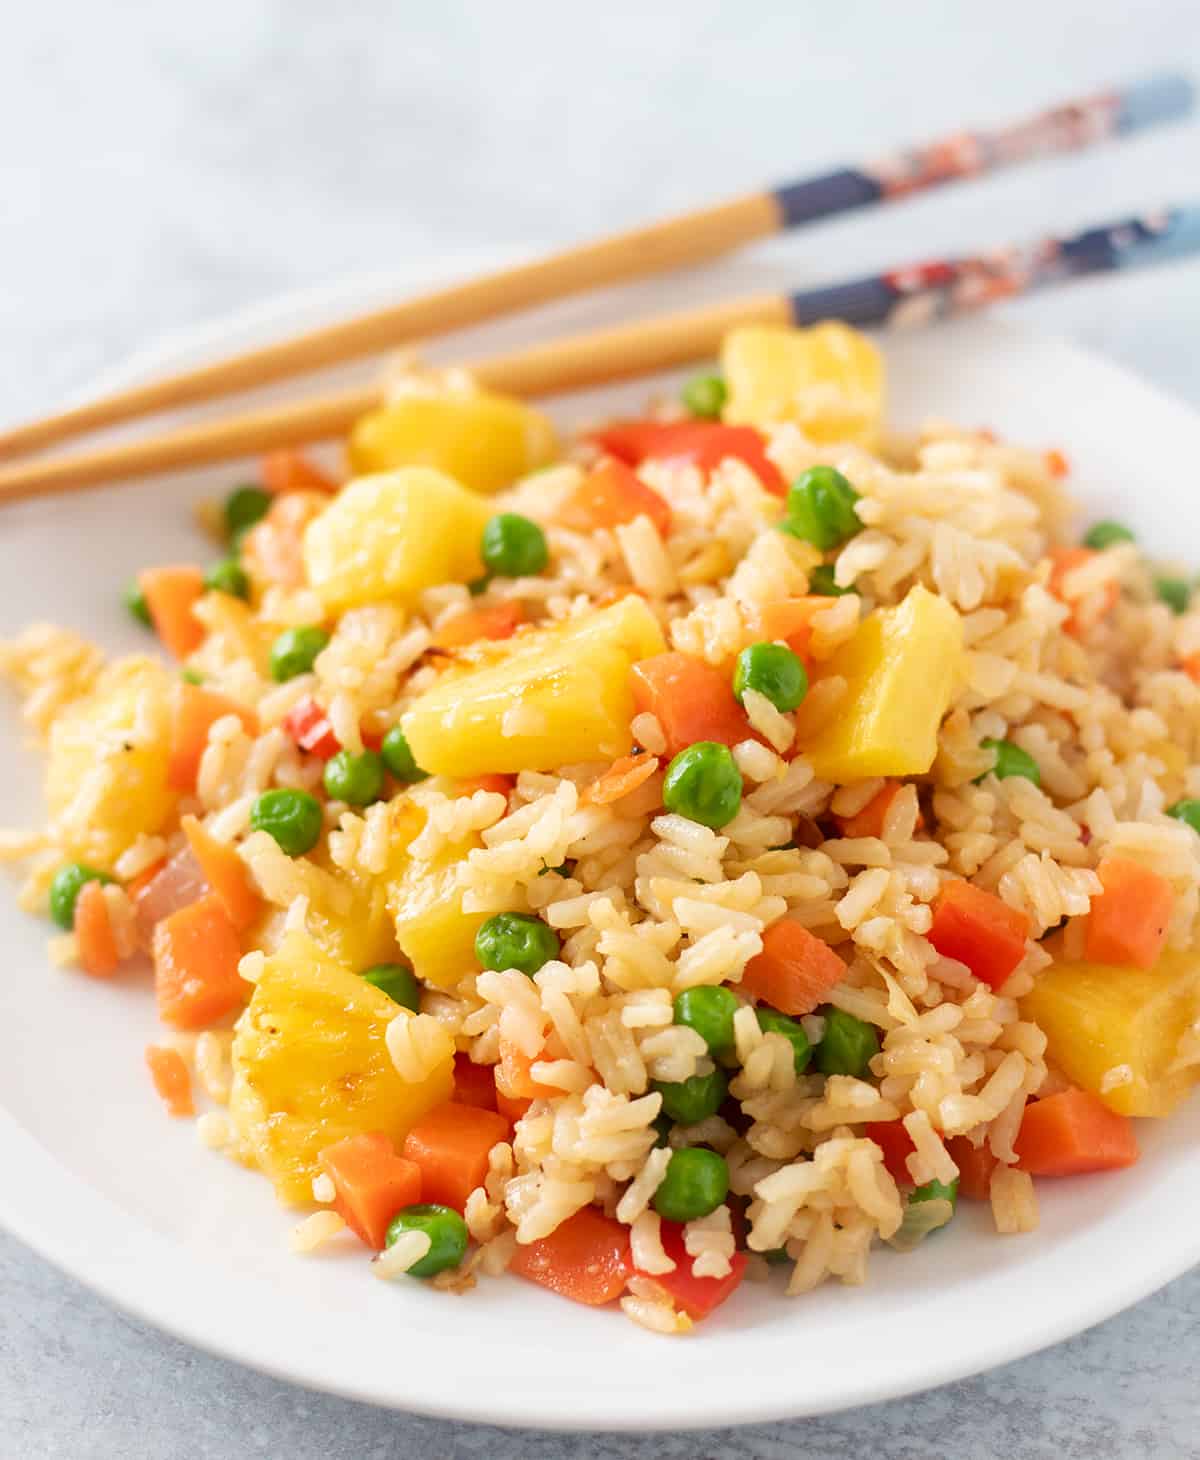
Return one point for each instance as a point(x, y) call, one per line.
point(1187, 811)
point(688, 1102)
point(1128, 922)
point(293, 818)
point(398, 757)
point(474, 1084)
point(976, 928)
point(820, 508)
point(164, 889)
point(450, 1145)
point(225, 873)
point(135, 601)
point(975, 1166)
point(771, 1021)
point(936, 1191)
point(196, 954)
point(897, 1146)
point(870, 820)
point(586, 1258)
point(514, 1074)
point(795, 970)
point(397, 981)
point(705, 443)
point(496, 621)
point(194, 711)
point(516, 940)
point(291, 471)
point(372, 1183)
point(171, 593)
point(901, 668)
point(690, 699)
point(1174, 592)
point(1106, 534)
point(921, 1217)
point(611, 495)
point(447, 1233)
point(621, 779)
point(771, 670)
point(696, 1183)
point(789, 619)
point(65, 886)
point(244, 506)
point(821, 581)
point(295, 651)
point(228, 576)
point(848, 1045)
point(1011, 760)
point(704, 784)
point(513, 546)
point(1072, 1133)
point(704, 396)
point(709, 1011)
point(172, 1083)
point(273, 549)
point(94, 939)
point(1088, 610)
point(695, 1296)
point(354, 777)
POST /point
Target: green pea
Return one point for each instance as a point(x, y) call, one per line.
point(513, 546)
point(398, 757)
point(356, 779)
point(479, 585)
point(295, 651)
point(1187, 811)
point(771, 1021)
point(190, 675)
point(935, 1191)
point(228, 576)
point(704, 784)
point(245, 506)
point(709, 1011)
point(695, 1183)
point(1104, 534)
point(65, 888)
point(1174, 592)
point(447, 1233)
point(847, 1045)
point(821, 584)
point(772, 670)
point(397, 981)
point(820, 508)
point(293, 818)
point(516, 940)
point(705, 396)
point(135, 601)
point(1011, 760)
point(690, 1101)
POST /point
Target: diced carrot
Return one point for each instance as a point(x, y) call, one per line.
point(273, 549)
point(1057, 464)
point(194, 711)
point(512, 1107)
point(795, 969)
point(196, 953)
point(94, 939)
point(372, 1184)
point(450, 1145)
point(171, 592)
point(789, 619)
point(309, 727)
point(474, 1084)
point(706, 443)
point(1071, 1133)
point(690, 699)
point(494, 781)
point(1064, 561)
point(869, 821)
point(1128, 921)
point(514, 1074)
point(290, 471)
point(611, 495)
point(1191, 667)
point(172, 1082)
point(493, 621)
point(975, 1166)
point(225, 873)
point(620, 779)
point(695, 1296)
point(897, 1146)
point(587, 1259)
point(976, 928)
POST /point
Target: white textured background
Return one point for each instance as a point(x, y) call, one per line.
point(163, 163)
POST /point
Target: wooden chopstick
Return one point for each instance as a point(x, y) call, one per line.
point(914, 294)
point(671, 243)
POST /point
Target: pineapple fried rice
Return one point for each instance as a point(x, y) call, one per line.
point(723, 841)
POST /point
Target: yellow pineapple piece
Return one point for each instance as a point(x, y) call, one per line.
point(828, 379)
point(901, 669)
point(542, 699)
point(390, 536)
point(311, 1066)
point(484, 441)
point(1104, 1021)
point(106, 772)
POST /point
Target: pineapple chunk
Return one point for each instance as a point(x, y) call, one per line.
point(1098, 1018)
point(566, 688)
point(828, 379)
point(901, 669)
point(390, 536)
point(311, 1066)
point(483, 441)
point(106, 773)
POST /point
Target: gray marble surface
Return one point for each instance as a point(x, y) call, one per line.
point(163, 163)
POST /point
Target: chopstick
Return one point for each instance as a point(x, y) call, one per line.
point(670, 243)
point(915, 294)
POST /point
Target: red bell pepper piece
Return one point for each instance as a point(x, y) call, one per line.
point(705, 443)
point(695, 1296)
point(308, 725)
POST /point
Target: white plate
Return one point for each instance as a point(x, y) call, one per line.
point(99, 1181)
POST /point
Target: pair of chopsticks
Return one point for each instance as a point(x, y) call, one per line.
point(918, 293)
